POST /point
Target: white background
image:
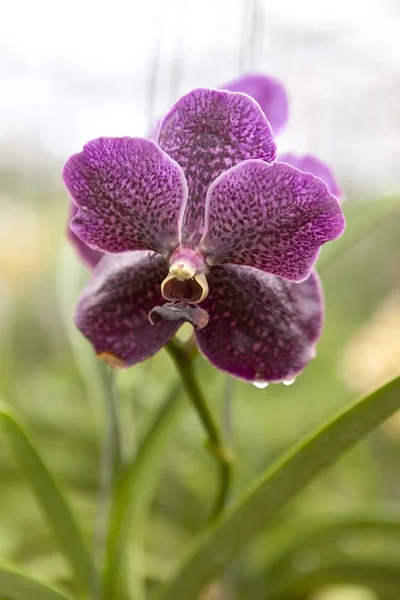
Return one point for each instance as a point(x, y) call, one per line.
point(72, 71)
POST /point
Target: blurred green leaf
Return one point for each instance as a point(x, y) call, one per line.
point(49, 496)
point(363, 218)
point(133, 500)
point(275, 487)
point(381, 577)
point(17, 586)
point(70, 282)
point(338, 533)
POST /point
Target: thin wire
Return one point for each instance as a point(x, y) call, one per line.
point(152, 82)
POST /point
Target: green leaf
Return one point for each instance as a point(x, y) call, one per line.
point(50, 498)
point(317, 537)
point(273, 489)
point(381, 577)
point(17, 586)
point(70, 282)
point(363, 218)
point(133, 501)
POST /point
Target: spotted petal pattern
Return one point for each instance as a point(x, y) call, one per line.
point(268, 92)
point(206, 132)
point(272, 217)
point(113, 309)
point(262, 328)
point(89, 256)
point(311, 164)
point(130, 195)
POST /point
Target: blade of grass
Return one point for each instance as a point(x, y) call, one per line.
point(273, 489)
point(52, 501)
point(133, 500)
point(17, 586)
point(363, 218)
point(378, 576)
point(70, 282)
point(315, 537)
point(110, 467)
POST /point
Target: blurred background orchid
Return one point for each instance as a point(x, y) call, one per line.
point(125, 479)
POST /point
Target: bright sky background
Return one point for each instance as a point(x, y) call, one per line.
point(73, 71)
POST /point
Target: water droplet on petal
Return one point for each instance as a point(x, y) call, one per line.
point(289, 381)
point(260, 384)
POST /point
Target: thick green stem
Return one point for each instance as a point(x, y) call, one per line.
point(183, 357)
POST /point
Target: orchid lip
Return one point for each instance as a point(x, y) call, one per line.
point(186, 280)
point(192, 290)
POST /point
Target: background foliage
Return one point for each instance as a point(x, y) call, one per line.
point(101, 70)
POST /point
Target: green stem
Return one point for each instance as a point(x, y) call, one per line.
point(183, 357)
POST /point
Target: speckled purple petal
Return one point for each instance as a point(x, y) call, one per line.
point(311, 164)
point(273, 217)
point(130, 195)
point(113, 309)
point(206, 132)
point(262, 328)
point(89, 257)
point(268, 92)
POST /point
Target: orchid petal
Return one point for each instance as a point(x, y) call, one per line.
point(262, 328)
point(207, 132)
point(89, 256)
point(268, 92)
point(130, 195)
point(311, 164)
point(272, 217)
point(113, 309)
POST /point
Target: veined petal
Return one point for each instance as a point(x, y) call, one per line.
point(268, 92)
point(207, 132)
point(130, 195)
point(272, 217)
point(311, 164)
point(89, 256)
point(262, 328)
point(113, 309)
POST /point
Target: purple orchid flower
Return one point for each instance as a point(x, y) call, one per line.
point(271, 96)
point(206, 217)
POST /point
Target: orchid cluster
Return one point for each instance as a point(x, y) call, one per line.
point(202, 224)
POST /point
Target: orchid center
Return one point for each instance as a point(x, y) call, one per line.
point(186, 280)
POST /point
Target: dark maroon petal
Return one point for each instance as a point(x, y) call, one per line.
point(268, 92)
point(262, 328)
point(273, 217)
point(206, 132)
point(179, 312)
point(130, 195)
point(89, 256)
point(311, 164)
point(113, 309)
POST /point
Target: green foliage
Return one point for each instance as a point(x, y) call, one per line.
point(20, 587)
point(49, 496)
point(341, 528)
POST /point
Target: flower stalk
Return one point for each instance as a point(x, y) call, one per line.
point(183, 356)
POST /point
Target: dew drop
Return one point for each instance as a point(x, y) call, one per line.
point(260, 384)
point(289, 381)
